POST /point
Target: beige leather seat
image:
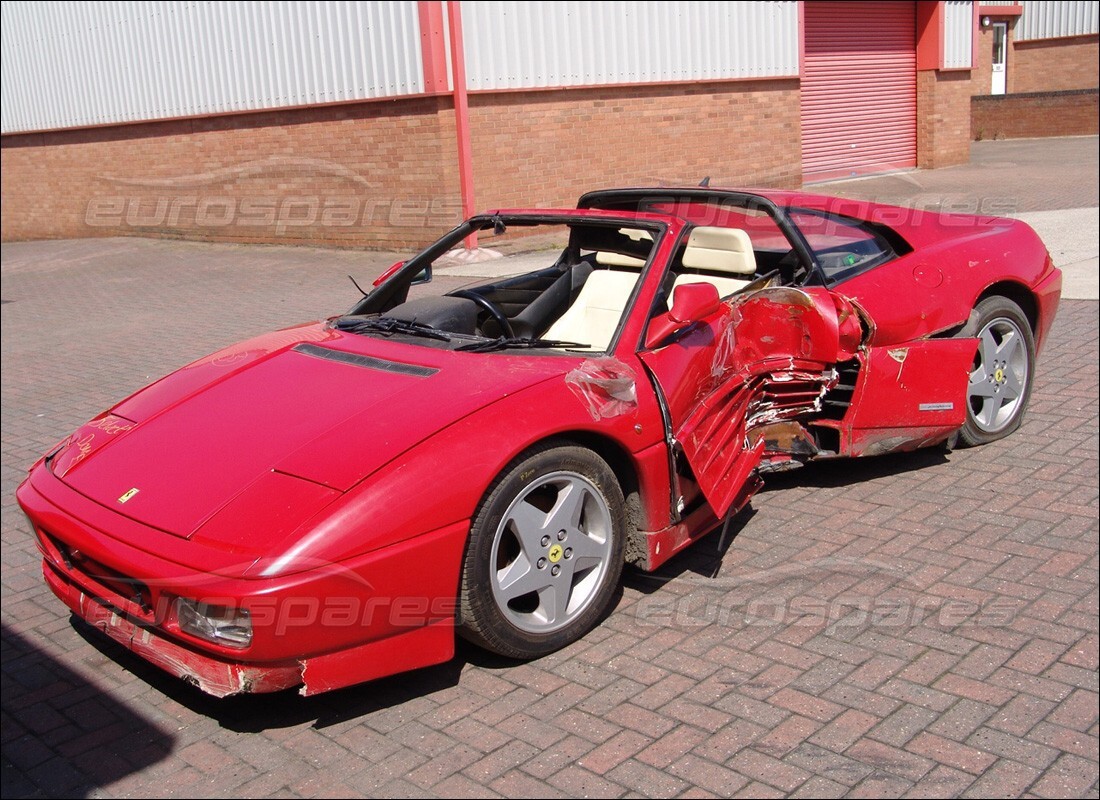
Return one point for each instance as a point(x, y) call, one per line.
point(718, 250)
point(595, 314)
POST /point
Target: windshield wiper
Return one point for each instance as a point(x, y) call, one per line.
point(517, 343)
point(389, 326)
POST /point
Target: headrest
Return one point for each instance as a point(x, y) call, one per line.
point(720, 250)
point(611, 259)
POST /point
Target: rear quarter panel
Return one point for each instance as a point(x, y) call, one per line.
point(955, 259)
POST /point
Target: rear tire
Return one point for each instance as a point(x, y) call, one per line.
point(1001, 376)
point(545, 553)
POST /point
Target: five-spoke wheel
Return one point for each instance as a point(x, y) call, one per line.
point(545, 553)
point(1000, 378)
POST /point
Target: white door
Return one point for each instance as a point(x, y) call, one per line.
point(1000, 49)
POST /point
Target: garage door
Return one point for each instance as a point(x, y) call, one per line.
point(859, 89)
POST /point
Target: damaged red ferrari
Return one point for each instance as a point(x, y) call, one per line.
point(479, 448)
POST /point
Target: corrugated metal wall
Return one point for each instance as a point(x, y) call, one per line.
point(68, 64)
point(1049, 20)
point(958, 34)
point(511, 45)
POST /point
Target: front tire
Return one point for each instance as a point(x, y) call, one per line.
point(545, 553)
point(1001, 376)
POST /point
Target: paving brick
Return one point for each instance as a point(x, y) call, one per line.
point(647, 781)
point(801, 703)
point(822, 762)
point(1003, 779)
point(845, 730)
point(949, 752)
point(1079, 711)
point(1070, 776)
point(884, 758)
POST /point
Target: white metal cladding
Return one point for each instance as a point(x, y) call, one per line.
point(958, 34)
point(1049, 20)
point(70, 64)
point(512, 45)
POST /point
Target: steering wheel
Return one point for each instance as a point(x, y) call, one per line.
point(488, 305)
point(758, 283)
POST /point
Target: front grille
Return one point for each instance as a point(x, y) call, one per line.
point(97, 578)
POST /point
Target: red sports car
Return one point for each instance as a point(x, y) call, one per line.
point(479, 447)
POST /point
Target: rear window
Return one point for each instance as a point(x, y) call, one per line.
point(845, 247)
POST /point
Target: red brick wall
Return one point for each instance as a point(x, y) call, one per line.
point(1047, 65)
point(374, 174)
point(1014, 116)
point(550, 147)
point(384, 174)
point(943, 118)
point(1052, 65)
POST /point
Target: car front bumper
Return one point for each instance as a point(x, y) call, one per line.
point(388, 611)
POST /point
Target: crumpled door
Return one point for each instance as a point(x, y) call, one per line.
point(762, 357)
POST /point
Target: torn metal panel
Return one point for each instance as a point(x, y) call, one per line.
point(217, 678)
point(763, 358)
point(920, 385)
point(606, 386)
point(878, 442)
point(788, 438)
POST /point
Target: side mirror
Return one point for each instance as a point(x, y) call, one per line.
point(389, 271)
point(691, 302)
point(424, 276)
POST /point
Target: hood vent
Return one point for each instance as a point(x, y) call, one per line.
point(367, 362)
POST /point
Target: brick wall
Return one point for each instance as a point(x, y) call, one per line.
point(1035, 114)
point(1052, 65)
point(943, 118)
point(385, 174)
point(550, 147)
point(376, 174)
point(1047, 65)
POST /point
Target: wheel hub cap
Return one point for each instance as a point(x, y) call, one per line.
point(999, 375)
point(551, 552)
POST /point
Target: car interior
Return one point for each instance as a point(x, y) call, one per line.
point(579, 299)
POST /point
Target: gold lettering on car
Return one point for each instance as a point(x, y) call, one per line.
point(128, 494)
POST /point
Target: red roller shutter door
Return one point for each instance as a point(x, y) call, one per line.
point(859, 89)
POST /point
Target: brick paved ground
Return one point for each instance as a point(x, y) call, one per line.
point(912, 625)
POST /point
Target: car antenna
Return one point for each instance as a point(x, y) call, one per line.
point(357, 286)
point(705, 181)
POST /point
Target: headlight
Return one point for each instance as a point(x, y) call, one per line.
point(218, 624)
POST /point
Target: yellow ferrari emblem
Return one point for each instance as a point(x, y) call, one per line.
point(128, 495)
point(555, 554)
point(999, 375)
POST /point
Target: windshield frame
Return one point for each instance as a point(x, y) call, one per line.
point(383, 296)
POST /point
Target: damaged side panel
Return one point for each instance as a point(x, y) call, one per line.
point(910, 395)
point(765, 357)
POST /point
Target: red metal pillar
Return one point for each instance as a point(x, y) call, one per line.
point(433, 49)
point(462, 118)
